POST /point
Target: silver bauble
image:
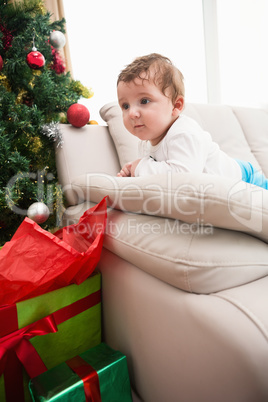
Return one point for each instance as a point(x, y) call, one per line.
point(57, 39)
point(38, 212)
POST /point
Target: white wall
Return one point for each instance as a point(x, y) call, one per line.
point(106, 35)
point(243, 52)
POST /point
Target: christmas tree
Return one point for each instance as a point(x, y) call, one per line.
point(35, 94)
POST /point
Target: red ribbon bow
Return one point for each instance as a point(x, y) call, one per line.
point(16, 349)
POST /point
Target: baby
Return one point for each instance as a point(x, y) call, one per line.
point(151, 95)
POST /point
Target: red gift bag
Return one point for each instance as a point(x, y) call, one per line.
point(35, 261)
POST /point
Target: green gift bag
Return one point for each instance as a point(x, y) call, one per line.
point(69, 320)
point(97, 375)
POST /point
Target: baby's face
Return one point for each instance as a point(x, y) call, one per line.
point(147, 112)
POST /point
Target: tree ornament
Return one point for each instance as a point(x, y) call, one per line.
point(22, 93)
point(52, 131)
point(27, 100)
point(1, 63)
point(57, 39)
point(58, 64)
point(6, 38)
point(4, 82)
point(38, 212)
point(35, 144)
point(35, 59)
point(82, 90)
point(78, 115)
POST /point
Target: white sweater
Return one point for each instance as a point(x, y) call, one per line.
point(186, 148)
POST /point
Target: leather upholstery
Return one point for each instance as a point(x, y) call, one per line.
point(185, 295)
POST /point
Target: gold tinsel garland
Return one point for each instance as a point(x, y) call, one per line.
point(82, 90)
point(4, 82)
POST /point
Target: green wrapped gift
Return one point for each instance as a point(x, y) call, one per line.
point(69, 320)
point(98, 375)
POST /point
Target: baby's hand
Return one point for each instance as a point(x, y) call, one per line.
point(128, 170)
point(125, 171)
point(133, 167)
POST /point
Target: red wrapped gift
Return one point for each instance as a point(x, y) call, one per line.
point(35, 261)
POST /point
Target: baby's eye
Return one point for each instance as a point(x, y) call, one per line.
point(125, 106)
point(144, 101)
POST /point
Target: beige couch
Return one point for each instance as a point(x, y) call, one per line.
point(185, 259)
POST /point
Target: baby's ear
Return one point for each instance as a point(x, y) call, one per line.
point(178, 106)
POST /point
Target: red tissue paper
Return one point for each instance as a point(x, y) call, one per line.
point(35, 261)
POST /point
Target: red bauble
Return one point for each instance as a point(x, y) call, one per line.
point(1, 63)
point(35, 59)
point(78, 115)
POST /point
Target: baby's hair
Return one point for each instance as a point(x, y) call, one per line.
point(158, 68)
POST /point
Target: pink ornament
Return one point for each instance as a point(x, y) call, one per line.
point(35, 59)
point(78, 115)
point(1, 63)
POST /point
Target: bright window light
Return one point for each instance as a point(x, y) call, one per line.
point(106, 35)
point(243, 52)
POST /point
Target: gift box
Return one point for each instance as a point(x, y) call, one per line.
point(97, 375)
point(40, 333)
point(36, 261)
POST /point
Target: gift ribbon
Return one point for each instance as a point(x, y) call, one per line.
point(16, 349)
point(8, 319)
point(89, 376)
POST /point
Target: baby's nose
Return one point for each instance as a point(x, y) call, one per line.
point(134, 112)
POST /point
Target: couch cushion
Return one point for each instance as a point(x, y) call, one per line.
point(225, 129)
point(188, 256)
point(203, 199)
point(126, 144)
point(199, 259)
point(254, 123)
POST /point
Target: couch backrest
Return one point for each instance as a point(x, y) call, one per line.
point(241, 132)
